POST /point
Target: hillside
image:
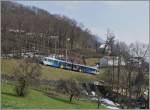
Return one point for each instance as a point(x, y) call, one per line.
point(39, 100)
point(30, 28)
point(47, 72)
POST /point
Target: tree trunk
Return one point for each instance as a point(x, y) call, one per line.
point(148, 99)
point(119, 61)
point(113, 75)
point(98, 103)
point(129, 88)
point(71, 96)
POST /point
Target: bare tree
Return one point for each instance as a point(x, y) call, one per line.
point(99, 96)
point(71, 87)
point(26, 74)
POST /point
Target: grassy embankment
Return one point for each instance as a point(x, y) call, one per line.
point(47, 72)
point(36, 99)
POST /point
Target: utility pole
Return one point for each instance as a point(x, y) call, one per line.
point(55, 45)
point(55, 39)
point(113, 74)
point(68, 39)
point(119, 61)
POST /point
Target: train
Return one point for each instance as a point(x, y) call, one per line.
point(58, 63)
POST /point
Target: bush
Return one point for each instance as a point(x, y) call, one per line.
point(21, 87)
point(26, 74)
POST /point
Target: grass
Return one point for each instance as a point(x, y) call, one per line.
point(92, 61)
point(49, 73)
point(36, 99)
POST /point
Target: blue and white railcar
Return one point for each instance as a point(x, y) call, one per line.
point(68, 65)
point(87, 69)
point(53, 62)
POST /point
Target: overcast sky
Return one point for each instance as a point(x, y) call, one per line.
point(129, 20)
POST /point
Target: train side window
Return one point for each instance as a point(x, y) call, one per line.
point(55, 61)
point(45, 59)
point(49, 60)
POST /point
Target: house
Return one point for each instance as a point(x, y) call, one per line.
point(109, 61)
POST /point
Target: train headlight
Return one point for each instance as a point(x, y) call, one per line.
point(61, 66)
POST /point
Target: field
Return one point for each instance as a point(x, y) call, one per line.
point(92, 61)
point(48, 73)
point(36, 99)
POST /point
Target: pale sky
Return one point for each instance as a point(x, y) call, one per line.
point(129, 20)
